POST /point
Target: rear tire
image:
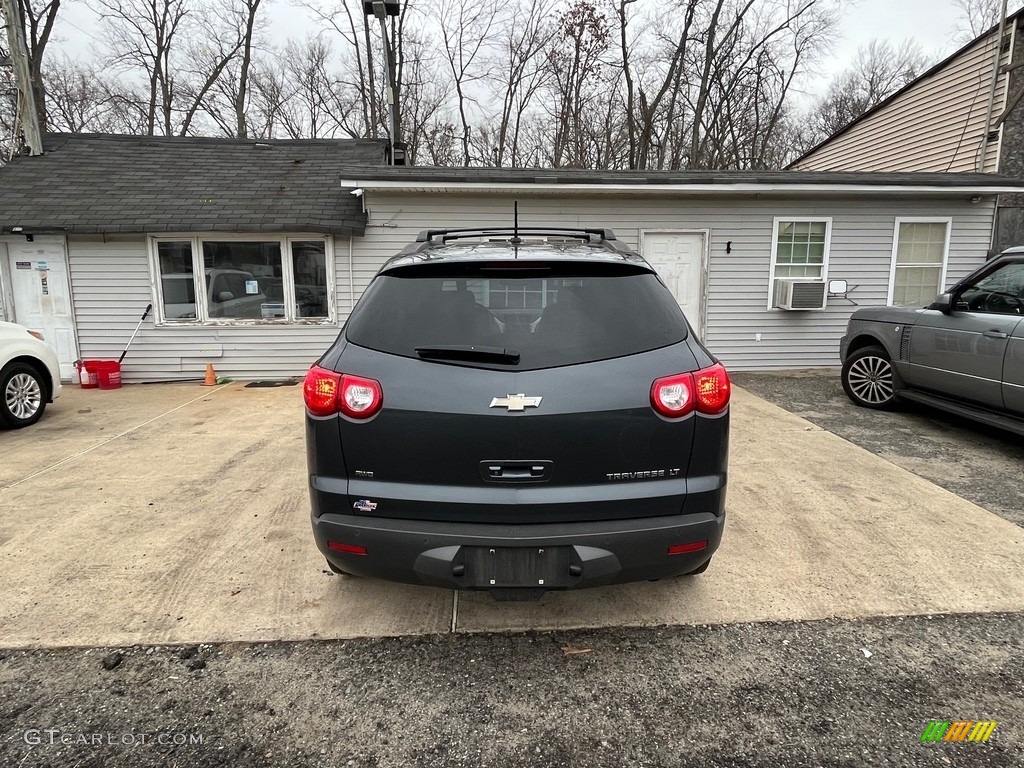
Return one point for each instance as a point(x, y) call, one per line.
point(700, 569)
point(868, 378)
point(338, 570)
point(22, 395)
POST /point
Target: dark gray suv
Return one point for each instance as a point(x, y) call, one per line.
point(964, 353)
point(517, 412)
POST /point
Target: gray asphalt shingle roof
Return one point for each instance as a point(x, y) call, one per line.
point(92, 183)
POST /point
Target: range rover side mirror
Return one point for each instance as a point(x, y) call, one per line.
point(943, 302)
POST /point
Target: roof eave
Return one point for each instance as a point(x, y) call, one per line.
point(780, 190)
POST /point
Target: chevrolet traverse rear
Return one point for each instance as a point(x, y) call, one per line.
point(517, 412)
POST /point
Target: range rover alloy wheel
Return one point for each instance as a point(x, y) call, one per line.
point(868, 378)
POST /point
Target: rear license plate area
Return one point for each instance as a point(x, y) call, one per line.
point(517, 566)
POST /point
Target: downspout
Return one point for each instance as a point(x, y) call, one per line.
point(351, 278)
point(980, 164)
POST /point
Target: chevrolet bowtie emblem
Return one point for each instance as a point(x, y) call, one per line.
point(516, 402)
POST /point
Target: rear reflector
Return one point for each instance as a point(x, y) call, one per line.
point(351, 549)
point(682, 549)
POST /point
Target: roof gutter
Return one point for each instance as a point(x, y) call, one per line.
point(453, 187)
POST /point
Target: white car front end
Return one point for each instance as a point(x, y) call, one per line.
point(29, 375)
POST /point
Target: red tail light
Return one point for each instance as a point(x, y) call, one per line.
point(327, 393)
point(713, 389)
point(320, 391)
point(706, 390)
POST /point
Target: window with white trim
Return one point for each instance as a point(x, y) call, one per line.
point(224, 278)
point(920, 249)
point(799, 251)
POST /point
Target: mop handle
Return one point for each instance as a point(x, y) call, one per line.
point(141, 321)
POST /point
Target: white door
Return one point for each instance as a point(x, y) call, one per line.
point(41, 291)
point(679, 259)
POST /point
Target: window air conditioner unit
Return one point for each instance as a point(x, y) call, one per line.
point(800, 294)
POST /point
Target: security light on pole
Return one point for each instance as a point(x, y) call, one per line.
point(380, 10)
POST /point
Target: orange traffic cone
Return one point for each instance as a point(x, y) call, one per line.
point(211, 376)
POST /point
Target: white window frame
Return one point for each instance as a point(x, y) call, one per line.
point(947, 220)
point(198, 268)
point(796, 218)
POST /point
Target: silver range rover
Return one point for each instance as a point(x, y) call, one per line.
point(964, 353)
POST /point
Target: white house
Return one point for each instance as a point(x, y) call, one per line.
point(253, 253)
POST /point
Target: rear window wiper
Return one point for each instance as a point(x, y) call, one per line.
point(469, 353)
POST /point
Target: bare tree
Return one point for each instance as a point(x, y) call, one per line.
point(347, 19)
point(517, 73)
point(466, 26)
point(267, 98)
point(425, 127)
point(78, 98)
point(576, 64)
point(143, 35)
point(751, 80)
point(38, 19)
point(975, 17)
point(217, 37)
point(247, 18)
point(8, 103)
point(307, 110)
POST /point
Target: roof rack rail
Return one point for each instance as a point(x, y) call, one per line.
point(593, 235)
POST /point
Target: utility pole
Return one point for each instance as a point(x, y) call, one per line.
point(23, 78)
point(996, 57)
point(381, 9)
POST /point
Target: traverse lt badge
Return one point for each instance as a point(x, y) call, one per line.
point(516, 402)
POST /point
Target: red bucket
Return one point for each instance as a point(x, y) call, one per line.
point(108, 373)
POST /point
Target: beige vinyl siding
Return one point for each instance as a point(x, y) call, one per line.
point(935, 125)
point(111, 286)
point(738, 282)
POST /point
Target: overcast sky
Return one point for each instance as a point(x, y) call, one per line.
point(932, 23)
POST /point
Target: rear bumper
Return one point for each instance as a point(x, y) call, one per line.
point(445, 555)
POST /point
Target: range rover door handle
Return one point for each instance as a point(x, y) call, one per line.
point(994, 334)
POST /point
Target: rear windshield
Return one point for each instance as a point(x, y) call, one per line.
point(549, 316)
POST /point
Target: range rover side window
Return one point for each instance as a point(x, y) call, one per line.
point(1000, 292)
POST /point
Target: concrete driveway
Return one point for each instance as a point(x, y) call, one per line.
point(178, 514)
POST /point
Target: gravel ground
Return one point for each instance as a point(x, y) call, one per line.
point(828, 693)
point(977, 463)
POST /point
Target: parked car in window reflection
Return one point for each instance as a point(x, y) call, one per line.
point(310, 300)
point(230, 293)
